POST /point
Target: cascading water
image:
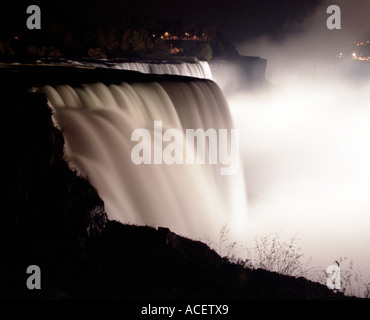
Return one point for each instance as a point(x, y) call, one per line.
point(197, 70)
point(201, 69)
point(97, 122)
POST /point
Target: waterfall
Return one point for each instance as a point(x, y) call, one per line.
point(97, 121)
point(200, 69)
point(197, 70)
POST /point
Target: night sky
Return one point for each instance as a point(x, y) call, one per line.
point(238, 19)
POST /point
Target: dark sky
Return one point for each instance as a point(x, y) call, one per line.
point(238, 19)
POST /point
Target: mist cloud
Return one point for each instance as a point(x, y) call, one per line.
point(313, 47)
point(305, 143)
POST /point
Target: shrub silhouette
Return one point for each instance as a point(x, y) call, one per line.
point(273, 254)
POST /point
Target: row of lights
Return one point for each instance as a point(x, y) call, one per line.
point(361, 43)
point(187, 35)
point(355, 56)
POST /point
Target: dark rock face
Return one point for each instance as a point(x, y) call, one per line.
point(142, 262)
point(48, 211)
point(239, 73)
point(132, 262)
point(55, 219)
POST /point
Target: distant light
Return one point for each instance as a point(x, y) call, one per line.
point(166, 34)
point(353, 54)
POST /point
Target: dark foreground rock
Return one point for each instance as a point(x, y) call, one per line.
point(55, 219)
point(142, 262)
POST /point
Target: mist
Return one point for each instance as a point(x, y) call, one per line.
point(305, 140)
point(310, 48)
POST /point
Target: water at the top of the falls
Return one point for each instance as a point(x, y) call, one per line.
point(199, 69)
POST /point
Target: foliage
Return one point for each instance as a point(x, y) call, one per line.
point(352, 281)
point(96, 53)
point(206, 52)
point(231, 251)
point(135, 40)
point(273, 254)
point(270, 253)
